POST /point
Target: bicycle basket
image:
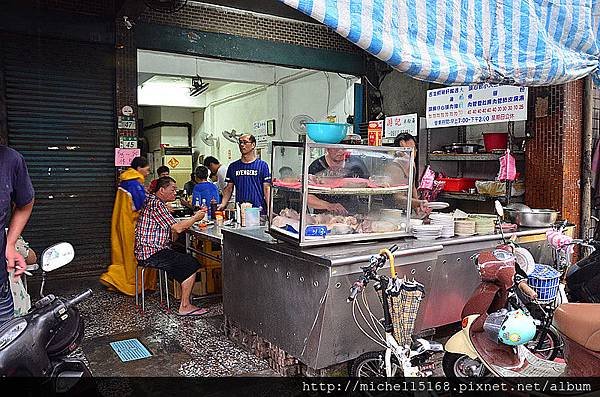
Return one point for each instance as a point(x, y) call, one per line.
point(404, 301)
point(544, 280)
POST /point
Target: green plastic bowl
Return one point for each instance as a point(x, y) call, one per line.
point(326, 132)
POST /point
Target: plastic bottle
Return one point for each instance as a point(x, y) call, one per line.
point(203, 207)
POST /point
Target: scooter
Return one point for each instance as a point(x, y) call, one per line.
point(38, 343)
point(471, 352)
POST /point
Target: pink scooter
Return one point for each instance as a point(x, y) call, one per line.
point(577, 323)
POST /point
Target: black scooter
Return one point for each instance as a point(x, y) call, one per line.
point(38, 343)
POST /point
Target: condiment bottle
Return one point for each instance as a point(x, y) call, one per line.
point(197, 205)
point(213, 208)
point(203, 207)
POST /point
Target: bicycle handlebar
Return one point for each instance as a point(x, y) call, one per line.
point(369, 272)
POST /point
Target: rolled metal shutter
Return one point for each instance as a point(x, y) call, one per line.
point(60, 107)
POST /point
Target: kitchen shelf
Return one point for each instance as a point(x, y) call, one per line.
point(476, 197)
point(471, 156)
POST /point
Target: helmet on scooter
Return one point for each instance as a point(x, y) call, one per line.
point(510, 328)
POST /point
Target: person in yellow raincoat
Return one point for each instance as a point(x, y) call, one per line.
point(128, 202)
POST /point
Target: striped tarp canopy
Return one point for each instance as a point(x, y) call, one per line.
point(456, 42)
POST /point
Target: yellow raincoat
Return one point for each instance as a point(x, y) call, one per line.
point(121, 273)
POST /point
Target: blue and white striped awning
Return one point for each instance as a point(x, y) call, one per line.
point(522, 42)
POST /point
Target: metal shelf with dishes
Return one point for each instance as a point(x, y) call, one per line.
point(476, 197)
point(471, 156)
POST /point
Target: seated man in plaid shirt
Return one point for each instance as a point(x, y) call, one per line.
point(155, 230)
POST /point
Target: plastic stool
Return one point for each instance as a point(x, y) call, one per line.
point(161, 274)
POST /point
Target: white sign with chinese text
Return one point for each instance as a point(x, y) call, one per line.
point(396, 125)
point(475, 104)
point(259, 129)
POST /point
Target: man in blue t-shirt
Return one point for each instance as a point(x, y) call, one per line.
point(250, 176)
point(204, 189)
point(18, 190)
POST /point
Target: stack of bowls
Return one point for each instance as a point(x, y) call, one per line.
point(464, 227)
point(444, 220)
point(484, 224)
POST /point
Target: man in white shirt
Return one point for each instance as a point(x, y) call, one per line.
point(218, 169)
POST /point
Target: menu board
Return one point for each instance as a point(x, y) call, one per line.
point(475, 104)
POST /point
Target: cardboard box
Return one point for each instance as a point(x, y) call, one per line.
point(214, 284)
point(199, 288)
point(375, 133)
point(213, 249)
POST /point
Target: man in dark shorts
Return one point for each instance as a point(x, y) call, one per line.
point(16, 190)
point(155, 230)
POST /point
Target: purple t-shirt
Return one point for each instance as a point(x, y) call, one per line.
point(15, 187)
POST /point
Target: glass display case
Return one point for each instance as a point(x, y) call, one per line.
point(332, 193)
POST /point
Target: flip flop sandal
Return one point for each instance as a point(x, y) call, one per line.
point(195, 313)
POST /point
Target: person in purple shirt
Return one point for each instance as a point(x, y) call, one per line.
point(250, 176)
point(16, 193)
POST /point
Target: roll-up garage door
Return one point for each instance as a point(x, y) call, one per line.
point(60, 107)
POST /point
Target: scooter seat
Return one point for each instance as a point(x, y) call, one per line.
point(579, 322)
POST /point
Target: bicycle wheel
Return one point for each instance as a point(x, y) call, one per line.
point(550, 347)
point(372, 364)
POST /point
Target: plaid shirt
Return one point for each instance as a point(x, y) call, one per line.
point(153, 229)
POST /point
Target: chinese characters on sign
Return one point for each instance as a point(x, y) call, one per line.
point(375, 132)
point(123, 157)
point(476, 104)
point(260, 133)
point(396, 125)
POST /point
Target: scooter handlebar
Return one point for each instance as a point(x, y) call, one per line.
point(79, 298)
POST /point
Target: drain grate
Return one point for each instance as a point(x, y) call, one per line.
point(130, 350)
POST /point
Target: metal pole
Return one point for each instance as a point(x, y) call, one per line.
point(586, 158)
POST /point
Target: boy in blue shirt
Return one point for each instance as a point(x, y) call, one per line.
point(204, 189)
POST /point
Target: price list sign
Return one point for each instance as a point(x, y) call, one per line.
point(475, 104)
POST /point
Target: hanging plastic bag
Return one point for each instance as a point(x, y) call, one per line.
point(508, 168)
point(428, 178)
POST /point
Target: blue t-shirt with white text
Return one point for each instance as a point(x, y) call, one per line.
point(248, 179)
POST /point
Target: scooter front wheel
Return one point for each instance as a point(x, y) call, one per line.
point(372, 364)
point(462, 366)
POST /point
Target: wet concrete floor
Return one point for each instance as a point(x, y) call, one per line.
point(179, 346)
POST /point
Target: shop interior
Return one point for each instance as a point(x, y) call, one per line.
point(191, 107)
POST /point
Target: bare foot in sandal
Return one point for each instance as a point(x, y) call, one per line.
point(191, 311)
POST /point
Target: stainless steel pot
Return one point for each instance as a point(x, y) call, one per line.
point(462, 148)
point(532, 218)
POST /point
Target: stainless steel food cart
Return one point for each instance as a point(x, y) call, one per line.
point(295, 297)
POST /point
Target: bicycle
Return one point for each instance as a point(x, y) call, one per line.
point(409, 358)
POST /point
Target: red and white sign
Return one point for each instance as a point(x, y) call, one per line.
point(405, 124)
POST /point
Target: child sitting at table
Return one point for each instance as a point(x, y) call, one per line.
point(204, 189)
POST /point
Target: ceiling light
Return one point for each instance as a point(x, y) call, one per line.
point(198, 87)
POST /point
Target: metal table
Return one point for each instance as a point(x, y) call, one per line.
point(296, 297)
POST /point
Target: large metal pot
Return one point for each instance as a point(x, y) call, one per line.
point(532, 218)
point(462, 148)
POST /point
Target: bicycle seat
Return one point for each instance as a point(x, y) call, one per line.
point(580, 322)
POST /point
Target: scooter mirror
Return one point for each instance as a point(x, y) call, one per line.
point(499, 209)
point(57, 256)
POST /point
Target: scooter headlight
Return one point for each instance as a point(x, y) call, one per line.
point(12, 332)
